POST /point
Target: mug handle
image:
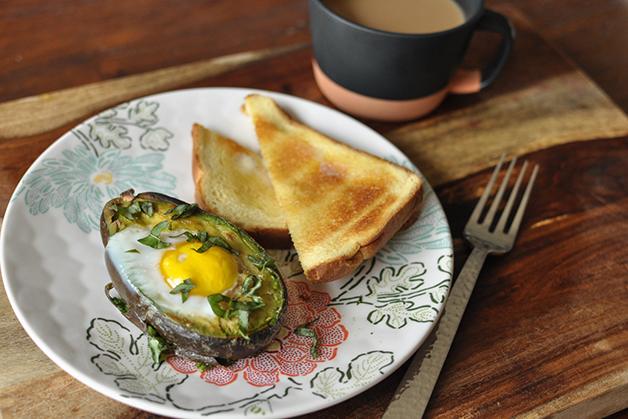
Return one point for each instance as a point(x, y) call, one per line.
point(472, 81)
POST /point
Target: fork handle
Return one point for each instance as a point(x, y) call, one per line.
point(414, 392)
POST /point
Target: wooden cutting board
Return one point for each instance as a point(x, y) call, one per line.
point(545, 332)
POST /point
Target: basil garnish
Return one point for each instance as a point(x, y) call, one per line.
point(152, 240)
point(202, 367)
point(220, 305)
point(304, 331)
point(156, 343)
point(127, 212)
point(182, 211)
point(184, 288)
point(147, 208)
point(227, 308)
point(120, 304)
point(208, 241)
point(132, 210)
point(250, 285)
point(262, 264)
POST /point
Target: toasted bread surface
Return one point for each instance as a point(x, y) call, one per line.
point(341, 205)
point(231, 181)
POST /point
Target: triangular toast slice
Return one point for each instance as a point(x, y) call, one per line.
point(341, 205)
point(231, 181)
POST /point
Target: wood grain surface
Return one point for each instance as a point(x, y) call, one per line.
point(545, 332)
point(43, 113)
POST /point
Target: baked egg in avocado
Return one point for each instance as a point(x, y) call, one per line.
point(196, 284)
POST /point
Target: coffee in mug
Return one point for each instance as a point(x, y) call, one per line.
point(384, 72)
point(401, 16)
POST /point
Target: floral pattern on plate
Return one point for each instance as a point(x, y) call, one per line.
point(290, 354)
point(87, 175)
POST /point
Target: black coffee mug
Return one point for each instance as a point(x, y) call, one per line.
point(398, 76)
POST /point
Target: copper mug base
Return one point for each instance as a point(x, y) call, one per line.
point(361, 106)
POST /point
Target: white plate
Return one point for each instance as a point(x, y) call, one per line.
point(52, 263)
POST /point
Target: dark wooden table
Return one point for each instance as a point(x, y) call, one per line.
point(546, 331)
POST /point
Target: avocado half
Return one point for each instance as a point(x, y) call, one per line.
point(207, 342)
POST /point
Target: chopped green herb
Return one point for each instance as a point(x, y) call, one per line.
point(208, 241)
point(127, 212)
point(191, 237)
point(147, 208)
point(304, 331)
point(250, 285)
point(220, 310)
point(120, 304)
point(262, 264)
point(201, 366)
point(184, 288)
point(132, 251)
point(243, 321)
point(226, 308)
point(152, 240)
point(132, 210)
point(247, 305)
point(182, 211)
point(156, 343)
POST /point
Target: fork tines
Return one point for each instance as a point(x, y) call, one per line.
point(502, 224)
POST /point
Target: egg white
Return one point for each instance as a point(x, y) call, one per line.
point(141, 270)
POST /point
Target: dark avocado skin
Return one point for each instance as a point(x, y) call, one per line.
point(187, 343)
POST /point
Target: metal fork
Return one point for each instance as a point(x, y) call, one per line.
point(417, 385)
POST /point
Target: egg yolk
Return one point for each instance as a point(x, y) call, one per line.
point(212, 272)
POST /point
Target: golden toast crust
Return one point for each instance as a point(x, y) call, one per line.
point(267, 235)
point(342, 205)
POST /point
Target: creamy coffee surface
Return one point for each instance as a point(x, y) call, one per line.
point(401, 16)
